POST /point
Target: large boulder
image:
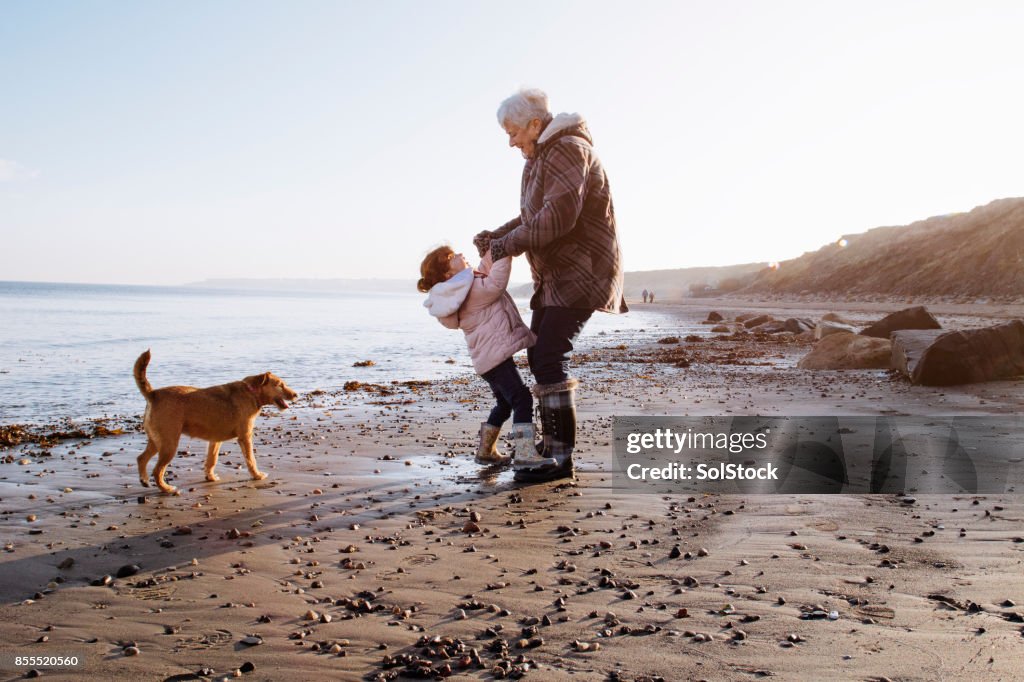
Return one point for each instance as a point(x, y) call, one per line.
point(909, 345)
point(714, 316)
point(917, 317)
point(971, 356)
point(848, 351)
point(826, 328)
point(720, 328)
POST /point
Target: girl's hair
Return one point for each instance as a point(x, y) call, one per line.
point(434, 268)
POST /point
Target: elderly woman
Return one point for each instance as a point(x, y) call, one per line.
point(566, 228)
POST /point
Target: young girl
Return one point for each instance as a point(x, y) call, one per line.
point(476, 302)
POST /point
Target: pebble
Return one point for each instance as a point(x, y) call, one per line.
point(131, 651)
point(252, 640)
point(586, 646)
point(128, 570)
point(311, 615)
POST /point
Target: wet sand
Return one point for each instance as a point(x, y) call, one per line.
point(363, 549)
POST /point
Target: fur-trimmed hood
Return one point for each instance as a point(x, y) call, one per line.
point(445, 298)
point(565, 124)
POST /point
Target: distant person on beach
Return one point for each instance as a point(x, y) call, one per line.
point(476, 302)
point(566, 228)
point(645, 295)
point(651, 296)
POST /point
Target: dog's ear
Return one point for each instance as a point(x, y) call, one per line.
point(263, 379)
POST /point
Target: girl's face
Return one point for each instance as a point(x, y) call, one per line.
point(457, 264)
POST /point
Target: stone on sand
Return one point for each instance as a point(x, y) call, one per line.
point(963, 357)
point(848, 351)
point(828, 328)
point(917, 317)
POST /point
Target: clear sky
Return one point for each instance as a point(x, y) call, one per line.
point(167, 142)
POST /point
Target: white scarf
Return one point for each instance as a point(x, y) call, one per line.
point(446, 297)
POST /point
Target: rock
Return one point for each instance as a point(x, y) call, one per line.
point(252, 640)
point(836, 317)
point(721, 328)
point(757, 321)
point(798, 325)
point(247, 667)
point(826, 328)
point(131, 651)
point(968, 356)
point(66, 564)
point(908, 346)
point(715, 317)
point(770, 327)
point(128, 570)
point(471, 527)
point(917, 317)
point(848, 351)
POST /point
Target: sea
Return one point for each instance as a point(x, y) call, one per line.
point(67, 350)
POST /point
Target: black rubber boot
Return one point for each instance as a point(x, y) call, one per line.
point(557, 403)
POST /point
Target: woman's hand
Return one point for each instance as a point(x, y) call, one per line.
point(482, 242)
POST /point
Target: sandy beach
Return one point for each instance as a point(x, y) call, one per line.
point(376, 541)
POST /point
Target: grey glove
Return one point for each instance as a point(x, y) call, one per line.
point(482, 242)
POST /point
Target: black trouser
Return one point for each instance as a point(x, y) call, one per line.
point(510, 393)
point(556, 330)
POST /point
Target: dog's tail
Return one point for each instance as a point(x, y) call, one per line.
point(145, 388)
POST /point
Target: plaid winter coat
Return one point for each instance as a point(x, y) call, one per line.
point(566, 225)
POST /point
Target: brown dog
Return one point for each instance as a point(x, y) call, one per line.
point(214, 414)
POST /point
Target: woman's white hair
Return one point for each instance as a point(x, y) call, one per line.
point(523, 107)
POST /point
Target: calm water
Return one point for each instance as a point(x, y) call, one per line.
point(67, 350)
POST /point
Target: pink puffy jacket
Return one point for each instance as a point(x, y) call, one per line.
point(476, 302)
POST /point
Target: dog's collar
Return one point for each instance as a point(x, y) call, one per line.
point(251, 389)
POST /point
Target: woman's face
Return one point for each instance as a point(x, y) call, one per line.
point(523, 137)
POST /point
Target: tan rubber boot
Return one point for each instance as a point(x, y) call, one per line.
point(526, 456)
point(487, 451)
